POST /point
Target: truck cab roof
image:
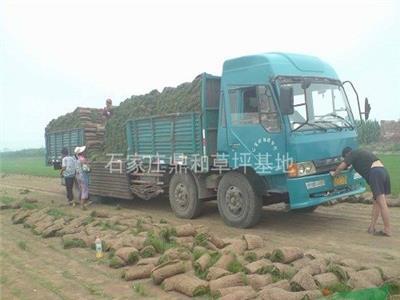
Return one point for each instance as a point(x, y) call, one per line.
point(273, 64)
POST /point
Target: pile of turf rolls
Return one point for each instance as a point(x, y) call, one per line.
point(183, 98)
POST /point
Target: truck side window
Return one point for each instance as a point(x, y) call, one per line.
point(244, 106)
point(254, 105)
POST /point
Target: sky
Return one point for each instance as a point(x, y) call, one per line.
point(56, 55)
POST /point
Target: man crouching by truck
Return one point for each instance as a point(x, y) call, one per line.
point(371, 168)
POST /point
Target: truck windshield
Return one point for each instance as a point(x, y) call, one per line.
point(319, 106)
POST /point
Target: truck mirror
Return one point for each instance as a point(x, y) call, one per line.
point(286, 100)
point(367, 108)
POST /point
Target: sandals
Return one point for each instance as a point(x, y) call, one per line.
point(381, 233)
point(371, 230)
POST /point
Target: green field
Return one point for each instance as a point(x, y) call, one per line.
point(27, 165)
point(35, 165)
point(392, 164)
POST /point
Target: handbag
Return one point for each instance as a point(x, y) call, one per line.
point(85, 168)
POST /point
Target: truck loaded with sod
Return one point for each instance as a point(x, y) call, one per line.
point(108, 136)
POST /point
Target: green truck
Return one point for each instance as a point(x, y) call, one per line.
point(270, 129)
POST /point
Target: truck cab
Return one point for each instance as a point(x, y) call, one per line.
point(283, 122)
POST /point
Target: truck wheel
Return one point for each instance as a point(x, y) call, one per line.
point(183, 196)
point(238, 202)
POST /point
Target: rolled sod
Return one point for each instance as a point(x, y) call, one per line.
point(230, 290)
point(148, 251)
point(186, 284)
point(240, 295)
point(218, 242)
point(237, 246)
point(203, 262)
point(253, 241)
point(215, 273)
point(21, 215)
point(286, 254)
point(185, 230)
point(224, 261)
point(282, 284)
point(116, 262)
point(278, 294)
point(148, 261)
point(258, 265)
point(326, 279)
point(237, 279)
point(129, 255)
point(303, 281)
point(315, 266)
point(166, 270)
point(258, 281)
point(138, 272)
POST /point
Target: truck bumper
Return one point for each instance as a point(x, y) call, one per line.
point(316, 189)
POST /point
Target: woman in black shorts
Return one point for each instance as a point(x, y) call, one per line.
point(371, 168)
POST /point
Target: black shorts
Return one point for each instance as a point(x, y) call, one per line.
point(379, 181)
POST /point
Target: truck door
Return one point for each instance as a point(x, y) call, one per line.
point(255, 132)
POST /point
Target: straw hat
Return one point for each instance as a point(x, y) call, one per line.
point(79, 150)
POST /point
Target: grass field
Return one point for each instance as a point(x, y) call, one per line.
point(27, 165)
point(392, 164)
point(35, 165)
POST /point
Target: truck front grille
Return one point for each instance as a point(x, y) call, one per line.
point(327, 164)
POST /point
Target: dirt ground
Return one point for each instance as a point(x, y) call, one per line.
point(44, 270)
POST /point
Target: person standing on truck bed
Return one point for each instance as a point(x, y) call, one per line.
point(82, 175)
point(371, 168)
point(107, 110)
point(68, 168)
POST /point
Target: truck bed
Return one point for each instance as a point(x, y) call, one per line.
point(192, 133)
point(165, 135)
point(57, 140)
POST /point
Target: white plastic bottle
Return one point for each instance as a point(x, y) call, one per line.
point(99, 248)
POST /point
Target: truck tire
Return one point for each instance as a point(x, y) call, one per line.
point(183, 196)
point(239, 204)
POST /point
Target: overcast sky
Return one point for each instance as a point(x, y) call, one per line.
point(57, 55)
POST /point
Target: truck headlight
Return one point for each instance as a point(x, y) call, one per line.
point(301, 169)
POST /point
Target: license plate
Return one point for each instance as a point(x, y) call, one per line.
point(339, 180)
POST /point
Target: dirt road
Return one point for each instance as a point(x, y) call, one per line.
point(46, 271)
